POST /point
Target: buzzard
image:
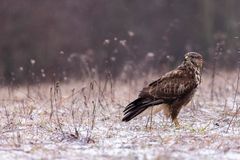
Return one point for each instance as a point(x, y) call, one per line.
point(170, 92)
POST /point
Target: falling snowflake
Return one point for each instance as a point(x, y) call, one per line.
point(21, 68)
point(113, 59)
point(131, 33)
point(150, 54)
point(123, 42)
point(32, 61)
point(106, 42)
point(43, 75)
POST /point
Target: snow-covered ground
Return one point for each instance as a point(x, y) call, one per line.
point(82, 120)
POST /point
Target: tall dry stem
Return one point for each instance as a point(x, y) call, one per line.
point(235, 95)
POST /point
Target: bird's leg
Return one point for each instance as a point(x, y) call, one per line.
point(175, 121)
point(148, 126)
point(150, 119)
point(174, 115)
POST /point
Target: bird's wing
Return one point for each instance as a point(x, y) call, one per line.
point(171, 86)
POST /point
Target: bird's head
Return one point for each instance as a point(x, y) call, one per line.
point(194, 58)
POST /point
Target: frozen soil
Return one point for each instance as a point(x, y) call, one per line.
point(82, 120)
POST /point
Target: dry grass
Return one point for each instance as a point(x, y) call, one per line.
point(82, 120)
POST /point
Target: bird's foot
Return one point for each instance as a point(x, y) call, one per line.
point(176, 123)
point(148, 128)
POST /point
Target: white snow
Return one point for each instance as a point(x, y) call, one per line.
point(28, 132)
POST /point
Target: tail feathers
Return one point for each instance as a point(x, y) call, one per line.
point(137, 107)
point(137, 102)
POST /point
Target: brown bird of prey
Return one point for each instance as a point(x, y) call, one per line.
point(170, 92)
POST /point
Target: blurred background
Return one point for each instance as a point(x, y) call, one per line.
point(62, 40)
